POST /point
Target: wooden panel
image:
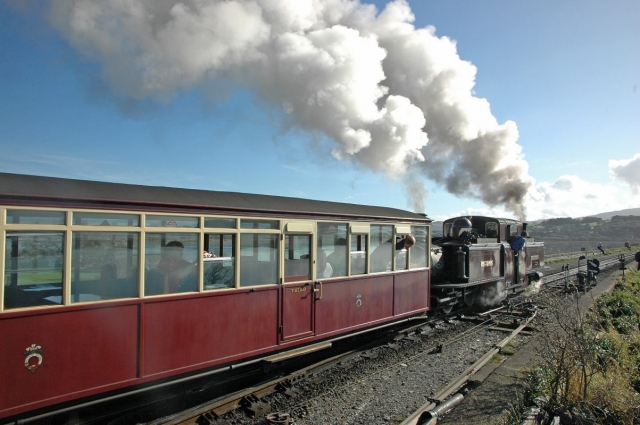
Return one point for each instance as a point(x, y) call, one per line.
point(82, 351)
point(297, 313)
point(347, 304)
point(411, 292)
point(196, 332)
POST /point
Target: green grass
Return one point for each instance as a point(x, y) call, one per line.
point(39, 277)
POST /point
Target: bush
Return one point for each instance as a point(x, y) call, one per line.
point(591, 363)
point(620, 310)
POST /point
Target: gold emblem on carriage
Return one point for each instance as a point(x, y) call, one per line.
point(33, 358)
point(359, 301)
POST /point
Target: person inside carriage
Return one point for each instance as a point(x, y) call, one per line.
point(175, 266)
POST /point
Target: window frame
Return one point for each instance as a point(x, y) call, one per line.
point(279, 226)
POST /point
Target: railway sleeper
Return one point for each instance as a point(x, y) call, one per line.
point(254, 406)
point(287, 388)
point(211, 418)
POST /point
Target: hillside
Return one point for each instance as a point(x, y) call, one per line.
point(609, 215)
point(568, 234)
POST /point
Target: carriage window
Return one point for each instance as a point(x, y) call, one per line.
point(35, 217)
point(358, 254)
point(382, 248)
point(259, 224)
point(219, 261)
point(220, 223)
point(170, 221)
point(100, 219)
point(171, 263)
point(104, 266)
point(33, 269)
point(418, 254)
point(258, 259)
point(297, 258)
point(332, 250)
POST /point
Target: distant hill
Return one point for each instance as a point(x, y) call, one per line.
point(608, 215)
point(436, 229)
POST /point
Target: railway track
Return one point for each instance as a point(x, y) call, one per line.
point(255, 404)
point(563, 273)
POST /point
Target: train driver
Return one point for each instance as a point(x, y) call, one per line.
point(175, 267)
point(518, 242)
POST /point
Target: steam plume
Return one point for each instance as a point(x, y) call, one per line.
point(376, 85)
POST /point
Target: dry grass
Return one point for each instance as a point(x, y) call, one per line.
point(593, 360)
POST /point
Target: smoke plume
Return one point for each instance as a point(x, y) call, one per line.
point(394, 98)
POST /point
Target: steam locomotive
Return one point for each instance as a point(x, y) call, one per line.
point(476, 262)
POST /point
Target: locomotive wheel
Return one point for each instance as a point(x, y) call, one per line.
point(470, 298)
point(447, 308)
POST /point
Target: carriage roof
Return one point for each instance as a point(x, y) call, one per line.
point(19, 189)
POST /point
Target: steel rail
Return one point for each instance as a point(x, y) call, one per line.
point(428, 413)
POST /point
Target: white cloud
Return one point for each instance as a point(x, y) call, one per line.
point(628, 171)
point(570, 196)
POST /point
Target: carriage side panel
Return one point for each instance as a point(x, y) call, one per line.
point(411, 292)
point(350, 303)
point(188, 333)
point(78, 353)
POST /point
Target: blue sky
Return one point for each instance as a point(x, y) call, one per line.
point(566, 73)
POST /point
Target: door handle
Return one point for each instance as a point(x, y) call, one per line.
point(315, 289)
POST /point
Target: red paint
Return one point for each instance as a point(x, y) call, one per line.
point(83, 351)
point(186, 333)
point(411, 292)
point(297, 313)
point(89, 349)
point(349, 303)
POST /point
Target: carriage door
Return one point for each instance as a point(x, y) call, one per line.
point(298, 296)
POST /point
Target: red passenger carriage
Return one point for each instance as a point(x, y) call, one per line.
point(111, 288)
